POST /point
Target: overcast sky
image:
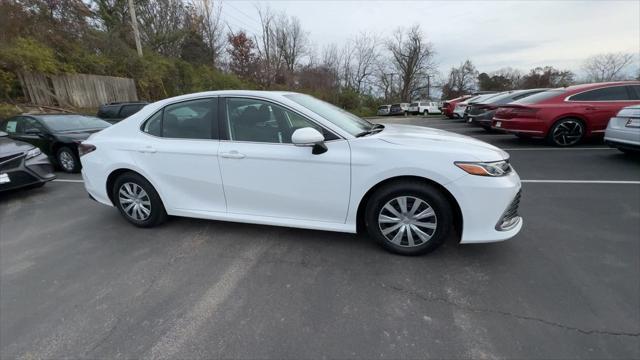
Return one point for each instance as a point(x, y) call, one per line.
point(493, 34)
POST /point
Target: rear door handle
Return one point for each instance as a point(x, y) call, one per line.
point(232, 155)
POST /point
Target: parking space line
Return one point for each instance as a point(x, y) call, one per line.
point(556, 149)
point(625, 182)
point(68, 180)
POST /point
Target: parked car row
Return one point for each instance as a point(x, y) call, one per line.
point(562, 116)
point(415, 108)
point(31, 145)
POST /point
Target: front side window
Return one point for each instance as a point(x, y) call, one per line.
point(194, 119)
point(635, 92)
point(261, 121)
point(613, 93)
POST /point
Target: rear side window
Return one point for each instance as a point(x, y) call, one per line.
point(108, 112)
point(128, 110)
point(195, 119)
point(539, 97)
point(611, 93)
point(634, 92)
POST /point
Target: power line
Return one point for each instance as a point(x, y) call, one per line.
point(243, 13)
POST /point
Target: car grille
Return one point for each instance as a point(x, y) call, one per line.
point(10, 162)
point(510, 215)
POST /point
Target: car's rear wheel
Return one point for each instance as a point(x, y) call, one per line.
point(138, 201)
point(566, 132)
point(409, 217)
point(67, 160)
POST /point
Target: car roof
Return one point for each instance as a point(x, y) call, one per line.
point(583, 87)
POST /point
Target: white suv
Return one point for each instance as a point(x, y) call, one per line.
point(424, 108)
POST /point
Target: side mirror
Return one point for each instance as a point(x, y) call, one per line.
point(33, 131)
point(309, 136)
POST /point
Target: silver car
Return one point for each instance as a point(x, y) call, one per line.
point(623, 130)
point(383, 110)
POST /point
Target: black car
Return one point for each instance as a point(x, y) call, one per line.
point(22, 165)
point(116, 111)
point(57, 135)
point(481, 113)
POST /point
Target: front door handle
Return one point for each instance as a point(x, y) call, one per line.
point(232, 155)
point(147, 149)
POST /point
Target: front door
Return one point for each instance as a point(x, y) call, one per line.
point(264, 174)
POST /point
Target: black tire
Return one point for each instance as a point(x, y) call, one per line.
point(428, 194)
point(566, 132)
point(157, 214)
point(68, 160)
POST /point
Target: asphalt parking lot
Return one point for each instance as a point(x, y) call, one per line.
point(76, 280)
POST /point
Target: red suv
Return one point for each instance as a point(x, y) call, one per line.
point(565, 116)
point(449, 105)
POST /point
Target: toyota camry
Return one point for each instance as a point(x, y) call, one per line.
point(288, 159)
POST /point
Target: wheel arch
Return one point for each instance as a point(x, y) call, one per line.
point(111, 179)
point(572, 116)
point(457, 212)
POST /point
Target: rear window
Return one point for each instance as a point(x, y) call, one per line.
point(611, 93)
point(542, 96)
point(383, 107)
point(73, 122)
point(414, 104)
point(128, 110)
point(108, 112)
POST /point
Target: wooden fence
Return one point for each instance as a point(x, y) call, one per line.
point(76, 90)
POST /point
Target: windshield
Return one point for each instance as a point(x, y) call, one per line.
point(343, 119)
point(73, 122)
point(536, 98)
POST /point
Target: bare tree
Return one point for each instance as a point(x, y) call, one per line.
point(384, 79)
point(362, 60)
point(209, 12)
point(161, 25)
point(291, 40)
point(606, 67)
point(461, 80)
point(412, 57)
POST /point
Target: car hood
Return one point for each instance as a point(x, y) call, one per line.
point(9, 146)
point(424, 137)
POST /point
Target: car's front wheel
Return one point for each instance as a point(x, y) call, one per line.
point(566, 132)
point(409, 217)
point(67, 160)
point(138, 201)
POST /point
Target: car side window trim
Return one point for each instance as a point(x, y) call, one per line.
point(213, 136)
point(224, 119)
point(568, 98)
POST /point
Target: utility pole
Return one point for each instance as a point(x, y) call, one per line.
point(134, 24)
point(429, 86)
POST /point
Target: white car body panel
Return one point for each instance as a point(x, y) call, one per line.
point(286, 185)
point(425, 107)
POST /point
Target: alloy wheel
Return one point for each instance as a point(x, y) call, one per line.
point(567, 133)
point(135, 202)
point(66, 160)
point(407, 221)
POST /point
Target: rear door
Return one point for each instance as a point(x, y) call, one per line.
point(602, 104)
point(181, 155)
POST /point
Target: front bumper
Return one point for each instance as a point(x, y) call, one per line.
point(18, 172)
point(489, 207)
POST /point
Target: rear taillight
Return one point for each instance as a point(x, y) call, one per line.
point(84, 149)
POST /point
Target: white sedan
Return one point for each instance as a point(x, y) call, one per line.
point(288, 159)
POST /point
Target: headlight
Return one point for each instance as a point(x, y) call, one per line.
point(33, 153)
point(495, 168)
